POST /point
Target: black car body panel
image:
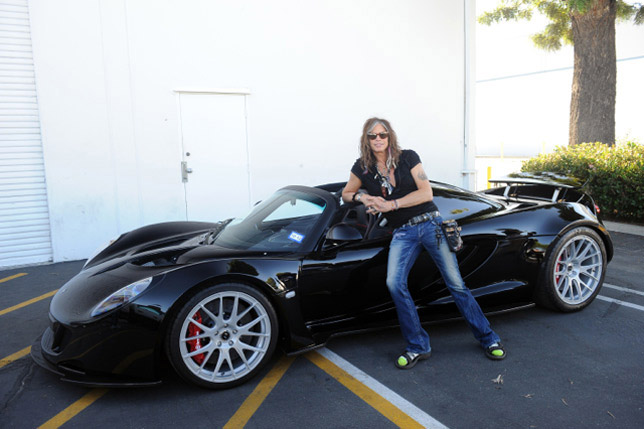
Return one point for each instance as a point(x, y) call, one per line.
point(320, 283)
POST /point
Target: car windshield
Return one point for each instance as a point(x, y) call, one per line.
point(282, 222)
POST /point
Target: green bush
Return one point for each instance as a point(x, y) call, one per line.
point(613, 176)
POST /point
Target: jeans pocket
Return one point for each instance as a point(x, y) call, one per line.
point(398, 234)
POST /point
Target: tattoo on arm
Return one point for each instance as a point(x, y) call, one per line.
point(422, 175)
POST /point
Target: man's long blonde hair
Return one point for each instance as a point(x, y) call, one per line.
point(367, 158)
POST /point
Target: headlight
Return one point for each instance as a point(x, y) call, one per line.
point(121, 296)
point(100, 249)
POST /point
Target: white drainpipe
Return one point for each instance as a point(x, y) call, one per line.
point(469, 149)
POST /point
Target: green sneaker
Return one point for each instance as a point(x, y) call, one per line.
point(495, 352)
point(407, 360)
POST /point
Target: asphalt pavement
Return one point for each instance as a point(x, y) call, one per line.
point(573, 370)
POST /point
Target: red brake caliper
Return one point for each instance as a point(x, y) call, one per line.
point(193, 345)
point(560, 266)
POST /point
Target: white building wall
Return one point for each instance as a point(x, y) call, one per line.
point(107, 73)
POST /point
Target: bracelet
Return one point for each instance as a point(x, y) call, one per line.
point(396, 205)
point(357, 196)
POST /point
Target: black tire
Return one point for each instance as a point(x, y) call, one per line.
point(574, 271)
point(235, 328)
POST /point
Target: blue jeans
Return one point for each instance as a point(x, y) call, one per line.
point(403, 251)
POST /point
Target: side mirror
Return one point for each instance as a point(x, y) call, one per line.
point(343, 233)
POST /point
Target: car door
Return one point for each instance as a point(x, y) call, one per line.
point(338, 285)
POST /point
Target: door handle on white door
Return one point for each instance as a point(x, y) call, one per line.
point(185, 170)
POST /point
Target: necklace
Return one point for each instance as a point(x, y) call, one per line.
point(385, 181)
point(387, 171)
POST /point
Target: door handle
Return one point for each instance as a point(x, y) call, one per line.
point(185, 170)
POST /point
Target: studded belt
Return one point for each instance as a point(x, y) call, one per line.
point(422, 218)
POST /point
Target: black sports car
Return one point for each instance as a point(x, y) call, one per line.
point(215, 299)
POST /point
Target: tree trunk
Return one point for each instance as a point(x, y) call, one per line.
point(592, 107)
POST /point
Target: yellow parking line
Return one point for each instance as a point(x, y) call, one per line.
point(15, 276)
point(70, 412)
point(26, 303)
point(372, 398)
point(252, 403)
point(15, 356)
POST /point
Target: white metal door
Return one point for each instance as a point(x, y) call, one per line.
point(215, 155)
point(24, 215)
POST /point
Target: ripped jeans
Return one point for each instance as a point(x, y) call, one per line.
point(403, 251)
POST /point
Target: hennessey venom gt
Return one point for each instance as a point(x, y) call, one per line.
point(215, 299)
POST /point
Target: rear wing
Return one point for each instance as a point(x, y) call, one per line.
point(545, 186)
point(540, 189)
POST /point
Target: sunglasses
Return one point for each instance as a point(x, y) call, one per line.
point(382, 136)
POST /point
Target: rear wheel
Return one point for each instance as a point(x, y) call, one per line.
point(222, 336)
point(574, 271)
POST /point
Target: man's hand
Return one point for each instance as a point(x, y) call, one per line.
point(379, 205)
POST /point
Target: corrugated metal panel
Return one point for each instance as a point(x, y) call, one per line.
point(24, 216)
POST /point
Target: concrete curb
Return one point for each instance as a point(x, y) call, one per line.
point(624, 227)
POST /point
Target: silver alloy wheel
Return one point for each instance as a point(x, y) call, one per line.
point(578, 270)
point(225, 336)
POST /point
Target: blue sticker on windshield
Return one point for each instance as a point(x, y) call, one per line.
point(295, 236)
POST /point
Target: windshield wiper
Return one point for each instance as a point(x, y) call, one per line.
point(213, 233)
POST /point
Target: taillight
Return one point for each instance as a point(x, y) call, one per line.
point(597, 210)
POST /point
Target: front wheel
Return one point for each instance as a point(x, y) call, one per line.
point(222, 336)
point(574, 271)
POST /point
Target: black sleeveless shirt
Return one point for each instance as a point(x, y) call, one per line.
point(405, 184)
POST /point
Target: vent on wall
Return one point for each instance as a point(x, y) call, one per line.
point(24, 216)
